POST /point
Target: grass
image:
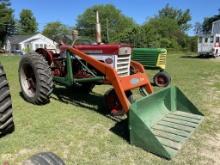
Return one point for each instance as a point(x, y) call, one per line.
point(74, 126)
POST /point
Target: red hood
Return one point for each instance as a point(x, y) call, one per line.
point(101, 49)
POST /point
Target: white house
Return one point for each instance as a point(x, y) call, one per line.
point(26, 43)
point(209, 44)
point(216, 27)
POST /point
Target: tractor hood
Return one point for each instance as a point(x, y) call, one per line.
point(106, 49)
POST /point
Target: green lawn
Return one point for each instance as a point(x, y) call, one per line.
point(74, 127)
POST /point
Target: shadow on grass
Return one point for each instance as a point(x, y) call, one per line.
point(8, 131)
point(94, 102)
point(121, 129)
point(196, 57)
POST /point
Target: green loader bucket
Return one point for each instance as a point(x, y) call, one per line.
point(162, 122)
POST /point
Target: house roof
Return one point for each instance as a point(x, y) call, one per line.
point(16, 39)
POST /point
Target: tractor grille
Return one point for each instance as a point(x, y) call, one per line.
point(123, 65)
point(162, 60)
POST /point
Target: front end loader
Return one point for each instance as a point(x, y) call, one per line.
point(159, 122)
point(6, 118)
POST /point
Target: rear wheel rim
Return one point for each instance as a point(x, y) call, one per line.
point(28, 80)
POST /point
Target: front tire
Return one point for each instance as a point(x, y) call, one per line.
point(162, 79)
point(6, 118)
point(35, 78)
point(112, 103)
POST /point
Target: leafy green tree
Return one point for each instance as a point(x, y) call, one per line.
point(56, 30)
point(198, 28)
point(182, 17)
point(192, 43)
point(130, 35)
point(110, 17)
point(27, 22)
point(207, 23)
point(166, 29)
point(6, 20)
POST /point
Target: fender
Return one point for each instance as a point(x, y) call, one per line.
point(137, 66)
point(48, 55)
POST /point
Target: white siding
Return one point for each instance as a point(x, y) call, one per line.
point(38, 41)
point(216, 27)
point(8, 46)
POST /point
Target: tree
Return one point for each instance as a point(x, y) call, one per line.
point(207, 23)
point(109, 15)
point(56, 30)
point(182, 17)
point(192, 43)
point(27, 22)
point(166, 29)
point(198, 28)
point(132, 35)
point(6, 20)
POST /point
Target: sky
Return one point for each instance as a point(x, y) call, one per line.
point(67, 11)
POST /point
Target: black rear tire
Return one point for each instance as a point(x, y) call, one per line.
point(35, 78)
point(44, 158)
point(162, 79)
point(6, 118)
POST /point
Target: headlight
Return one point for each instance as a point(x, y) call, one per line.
point(124, 50)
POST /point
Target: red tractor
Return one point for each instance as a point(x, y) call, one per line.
point(150, 117)
point(72, 67)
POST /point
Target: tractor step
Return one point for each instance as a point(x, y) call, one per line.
point(175, 128)
point(162, 122)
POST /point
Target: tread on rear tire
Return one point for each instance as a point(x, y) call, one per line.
point(6, 117)
point(35, 78)
point(44, 158)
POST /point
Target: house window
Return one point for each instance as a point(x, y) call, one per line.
point(17, 47)
point(41, 46)
point(211, 39)
point(217, 39)
point(206, 40)
point(37, 46)
point(45, 46)
point(200, 39)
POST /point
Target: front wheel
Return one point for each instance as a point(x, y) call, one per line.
point(112, 103)
point(35, 78)
point(162, 79)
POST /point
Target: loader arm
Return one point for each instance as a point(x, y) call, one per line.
point(120, 84)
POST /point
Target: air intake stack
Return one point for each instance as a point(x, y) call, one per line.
point(98, 29)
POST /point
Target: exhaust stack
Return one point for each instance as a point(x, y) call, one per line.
point(98, 29)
